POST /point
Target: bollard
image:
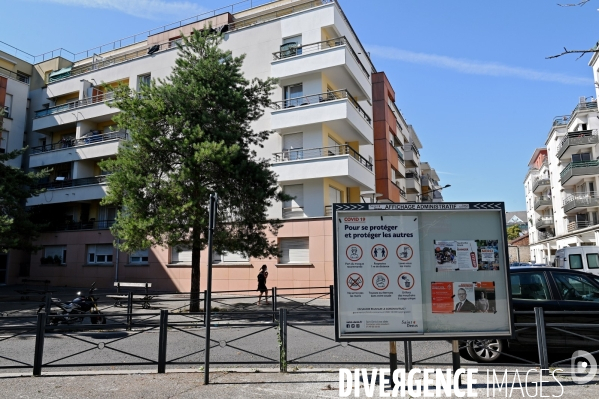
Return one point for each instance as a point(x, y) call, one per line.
point(38, 355)
point(455, 358)
point(274, 304)
point(407, 349)
point(283, 340)
point(542, 341)
point(332, 300)
point(129, 310)
point(162, 340)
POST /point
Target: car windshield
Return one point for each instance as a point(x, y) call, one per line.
point(575, 287)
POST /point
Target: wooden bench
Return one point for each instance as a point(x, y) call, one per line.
point(119, 297)
point(26, 291)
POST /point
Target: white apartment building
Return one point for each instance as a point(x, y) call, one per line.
point(322, 150)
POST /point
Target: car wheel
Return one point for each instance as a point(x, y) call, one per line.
point(485, 350)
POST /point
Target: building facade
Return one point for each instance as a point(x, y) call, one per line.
point(323, 151)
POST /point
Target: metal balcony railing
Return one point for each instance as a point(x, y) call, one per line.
point(572, 166)
point(578, 138)
point(5, 112)
point(544, 221)
point(91, 139)
point(399, 153)
point(72, 183)
point(540, 181)
point(293, 212)
point(100, 98)
point(311, 153)
point(269, 16)
point(14, 75)
point(577, 225)
point(544, 235)
point(328, 210)
point(561, 120)
point(542, 201)
point(411, 147)
point(320, 98)
point(413, 173)
point(292, 51)
point(585, 106)
point(586, 196)
point(91, 224)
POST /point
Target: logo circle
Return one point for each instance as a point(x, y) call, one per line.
point(405, 281)
point(354, 281)
point(379, 252)
point(406, 252)
point(383, 279)
point(354, 250)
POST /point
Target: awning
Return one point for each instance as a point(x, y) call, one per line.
point(60, 74)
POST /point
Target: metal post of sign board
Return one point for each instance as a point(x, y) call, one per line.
point(392, 360)
point(455, 358)
point(207, 300)
point(407, 350)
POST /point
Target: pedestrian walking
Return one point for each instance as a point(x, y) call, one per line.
point(262, 276)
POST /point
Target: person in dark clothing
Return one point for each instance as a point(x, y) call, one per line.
point(262, 276)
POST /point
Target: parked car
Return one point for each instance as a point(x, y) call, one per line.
point(553, 289)
point(583, 258)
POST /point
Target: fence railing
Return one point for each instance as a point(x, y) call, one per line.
point(75, 104)
point(54, 185)
point(14, 75)
point(91, 224)
point(585, 106)
point(572, 166)
point(293, 50)
point(312, 153)
point(321, 98)
point(561, 120)
point(90, 139)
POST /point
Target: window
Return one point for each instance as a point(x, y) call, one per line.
point(181, 254)
point(144, 80)
point(593, 261)
point(292, 146)
point(291, 46)
point(573, 287)
point(335, 196)
point(586, 156)
point(575, 262)
point(3, 142)
point(99, 253)
point(172, 43)
point(139, 256)
point(229, 257)
point(107, 216)
point(7, 106)
point(54, 252)
point(295, 207)
point(293, 94)
point(529, 286)
point(294, 250)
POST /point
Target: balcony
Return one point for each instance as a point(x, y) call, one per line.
point(574, 172)
point(84, 189)
point(93, 146)
point(561, 120)
point(585, 106)
point(74, 111)
point(576, 201)
point(412, 155)
point(544, 222)
point(573, 226)
point(542, 203)
point(575, 141)
point(328, 210)
point(341, 163)
point(293, 212)
point(335, 57)
point(413, 182)
point(545, 235)
point(540, 183)
point(91, 224)
point(337, 109)
point(14, 75)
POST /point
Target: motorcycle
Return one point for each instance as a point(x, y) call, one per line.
point(76, 310)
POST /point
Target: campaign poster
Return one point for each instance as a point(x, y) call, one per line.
point(466, 255)
point(379, 269)
point(484, 292)
point(463, 300)
point(488, 254)
point(446, 255)
point(442, 297)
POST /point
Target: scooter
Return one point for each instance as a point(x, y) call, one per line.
point(76, 310)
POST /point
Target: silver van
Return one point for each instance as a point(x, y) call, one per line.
point(584, 259)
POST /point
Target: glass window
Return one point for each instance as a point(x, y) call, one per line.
point(181, 254)
point(3, 142)
point(575, 262)
point(529, 286)
point(144, 80)
point(593, 261)
point(294, 250)
point(574, 287)
point(53, 252)
point(100, 253)
point(229, 257)
point(293, 95)
point(139, 256)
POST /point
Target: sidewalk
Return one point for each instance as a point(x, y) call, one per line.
point(265, 383)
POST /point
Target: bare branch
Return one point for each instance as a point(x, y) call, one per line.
point(582, 3)
point(581, 52)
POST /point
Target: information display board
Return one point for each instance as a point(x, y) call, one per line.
point(421, 271)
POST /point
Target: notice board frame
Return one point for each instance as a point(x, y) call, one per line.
point(359, 209)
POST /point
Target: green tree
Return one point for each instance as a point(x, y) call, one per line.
point(17, 230)
point(513, 232)
point(191, 136)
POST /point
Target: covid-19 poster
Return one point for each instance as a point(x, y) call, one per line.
point(420, 271)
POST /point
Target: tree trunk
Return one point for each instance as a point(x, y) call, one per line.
point(194, 299)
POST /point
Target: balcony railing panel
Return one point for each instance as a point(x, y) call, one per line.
point(75, 104)
point(579, 169)
point(293, 212)
point(312, 153)
point(540, 182)
point(577, 138)
point(320, 98)
point(544, 235)
point(69, 143)
point(412, 174)
point(14, 75)
point(543, 201)
point(580, 200)
point(572, 226)
point(91, 224)
point(543, 222)
point(292, 51)
point(328, 210)
point(58, 184)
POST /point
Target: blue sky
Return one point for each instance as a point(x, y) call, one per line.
point(469, 75)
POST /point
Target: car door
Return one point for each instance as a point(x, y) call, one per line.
point(579, 292)
point(531, 289)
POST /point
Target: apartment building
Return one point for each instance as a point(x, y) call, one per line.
point(322, 151)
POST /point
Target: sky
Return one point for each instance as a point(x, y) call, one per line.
point(471, 76)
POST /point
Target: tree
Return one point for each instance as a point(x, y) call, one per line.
point(17, 230)
point(593, 49)
point(190, 137)
point(513, 232)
